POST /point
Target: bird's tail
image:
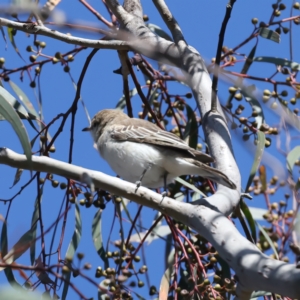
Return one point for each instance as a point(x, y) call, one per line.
point(213, 174)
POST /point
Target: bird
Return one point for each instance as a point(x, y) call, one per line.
point(140, 152)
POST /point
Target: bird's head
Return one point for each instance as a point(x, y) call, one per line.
point(102, 119)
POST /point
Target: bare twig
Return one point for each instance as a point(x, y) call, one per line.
point(218, 56)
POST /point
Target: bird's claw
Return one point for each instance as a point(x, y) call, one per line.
point(164, 194)
point(138, 184)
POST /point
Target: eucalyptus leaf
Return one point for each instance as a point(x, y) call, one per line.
point(278, 62)
point(190, 186)
point(269, 34)
point(160, 32)
point(73, 245)
point(20, 247)
point(97, 237)
point(265, 234)
point(191, 128)
point(24, 99)
point(257, 159)
point(8, 112)
point(122, 101)
point(292, 157)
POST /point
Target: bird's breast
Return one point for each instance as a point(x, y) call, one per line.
point(130, 160)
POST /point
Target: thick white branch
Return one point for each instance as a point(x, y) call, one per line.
point(42, 30)
point(255, 271)
point(215, 127)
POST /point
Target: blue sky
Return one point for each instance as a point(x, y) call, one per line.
point(200, 22)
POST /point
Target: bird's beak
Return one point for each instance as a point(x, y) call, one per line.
point(86, 129)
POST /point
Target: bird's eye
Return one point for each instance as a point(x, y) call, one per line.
point(95, 124)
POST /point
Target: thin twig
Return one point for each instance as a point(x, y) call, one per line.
point(218, 56)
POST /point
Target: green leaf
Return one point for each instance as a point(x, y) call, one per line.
point(20, 247)
point(3, 249)
point(10, 32)
point(24, 99)
point(292, 157)
point(255, 295)
point(153, 95)
point(248, 93)
point(190, 186)
point(257, 159)
point(14, 103)
point(225, 267)
point(191, 128)
point(97, 237)
point(269, 34)
point(278, 62)
point(265, 234)
point(169, 250)
point(4, 36)
point(289, 116)
point(157, 30)
point(246, 211)
point(8, 112)
point(165, 280)
point(122, 101)
point(18, 175)
point(249, 60)
point(35, 216)
point(257, 213)
point(73, 245)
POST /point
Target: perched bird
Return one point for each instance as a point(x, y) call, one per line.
point(139, 151)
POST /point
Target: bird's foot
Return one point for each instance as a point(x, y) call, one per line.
point(138, 184)
point(164, 194)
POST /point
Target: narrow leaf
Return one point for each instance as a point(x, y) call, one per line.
point(72, 247)
point(278, 62)
point(258, 155)
point(18, 249)
point(255, 295)
point(257, 213)
point(3, 249)
point(249, 60)
point(122, 101)
point(269, 34)
point(251, 223)
point(289, 116)
point(165, 280)
point(153, 95)
point(251, 98)
point(292, 157)
point(24, 99)
point(190, 186)
point(4, 36)
point(18, 174)
point(97, 237)
point(225, 267)
point(191, 128)
point(35, 216)
point(157, 30)
point(8, 112)
point(10, 32)
point(265, 234)
point(14, 103)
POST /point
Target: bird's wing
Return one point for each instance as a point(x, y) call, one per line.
point(153, 135)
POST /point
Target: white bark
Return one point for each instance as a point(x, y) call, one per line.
point(254, 270)
point(43, 30)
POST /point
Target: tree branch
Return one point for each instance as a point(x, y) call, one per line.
point(42, 30)
point(253, 269)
